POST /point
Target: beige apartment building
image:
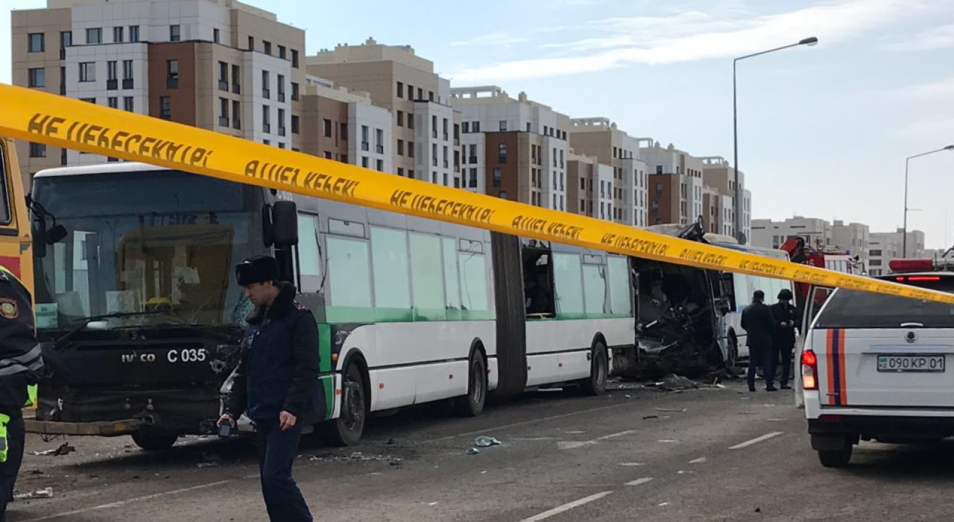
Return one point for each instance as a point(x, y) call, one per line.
point(600, 138)
point(215, 64)
point(425, 130)
point(718, 174)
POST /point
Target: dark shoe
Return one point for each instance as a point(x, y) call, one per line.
point(786, 387)
point(751, 388)
point(771, 388)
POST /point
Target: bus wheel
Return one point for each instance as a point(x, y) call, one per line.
point(347, 428)
point(732, 359)
point(154, 441)
point(599, 370)
point(472, 404)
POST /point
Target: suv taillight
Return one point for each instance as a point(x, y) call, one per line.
point(809, 370)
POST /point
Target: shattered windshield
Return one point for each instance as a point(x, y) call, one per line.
point(150, 248)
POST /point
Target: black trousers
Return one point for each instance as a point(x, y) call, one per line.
point(766, 357)
point(785, 353)
point(276, 455)
point(16, 436)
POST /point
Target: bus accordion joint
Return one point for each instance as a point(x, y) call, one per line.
point(63, 122)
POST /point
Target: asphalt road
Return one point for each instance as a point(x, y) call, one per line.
point(634, 454)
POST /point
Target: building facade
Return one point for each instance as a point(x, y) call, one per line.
point(886, 246)
point(676, 184)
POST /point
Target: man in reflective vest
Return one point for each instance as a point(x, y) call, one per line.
point(20, 364)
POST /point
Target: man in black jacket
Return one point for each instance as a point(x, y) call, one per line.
point(276, 382)
point(759, 326)
point(784, 340)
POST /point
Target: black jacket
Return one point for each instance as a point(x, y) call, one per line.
point(759, 325)
point(20, 358)
point(784, 335)
point(278, 370)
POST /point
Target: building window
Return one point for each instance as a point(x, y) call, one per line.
point(88, 100)
point(281, 52)
point(66, 40)
point(127, 74)
point(434, 127)
point(87, 72)
point(473, 153)
point(266, 92)
point(497, 178)
point(410, 121)
point(223, 112)
point(251, 43)
point(379, 141)
point(112, 102)
point(281, 122)
point(329, 155)
point(420, 93)
point(174, 33)
point(400, 147)
point(295, 125)
point(215, 35)
point(266, 119)
point(134, 33)
point(267, 47)
point(410, 92)
point(344, 132)
point(400, 118)
point(379, 165)
point(236, 115)
point(400, 172)
point(410, 149)
point(400, 90)
point(94, 35)
point(128, 104)
point(364, 161)
point(344, 158)
point(365, 145)
point(466, 127)
point(37, 42)
point(446, 133)
point(472, 182)
point(503, 125)
point(327, 128)
point(236, 84)
point(112, 73)
point(434, 154)
point(281, 88)
point(118, 34)
point(295, 92)
point(165, 107)
point(223, 76)
point(294, 55)
point(172, 74)
point(37, 150)
point(502, 153)
point(37, 77)
point(502, 194)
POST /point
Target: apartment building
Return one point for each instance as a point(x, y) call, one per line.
point(215, 64)
point(343, 125)
point(601, 139)
point(591, 187)
point(772, 234)
point(885, 246)
point(718, 174)
point(718, 212)
point(676, 184)
point(425, 129)
point(514, 148)
point(853, 238)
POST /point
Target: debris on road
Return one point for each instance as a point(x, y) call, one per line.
point(356, 456)
point(39, 493)
point(485, 442)
point(64, 449)
point(647, 417)
point(672, 410)
point(673, 382)
point(473, 451)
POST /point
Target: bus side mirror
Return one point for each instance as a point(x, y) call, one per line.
point(284, 224)
point(56, 234)
point(39, 237)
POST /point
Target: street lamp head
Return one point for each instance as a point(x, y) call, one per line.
point(949, 147)
point(809, 41)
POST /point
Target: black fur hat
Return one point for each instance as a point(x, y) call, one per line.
point(256, 269)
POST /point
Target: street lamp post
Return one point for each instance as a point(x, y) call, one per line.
point(907, 163)
point(735, 130)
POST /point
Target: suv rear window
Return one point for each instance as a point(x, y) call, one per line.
point(850, 309)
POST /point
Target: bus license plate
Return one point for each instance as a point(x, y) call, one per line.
point(910, 363)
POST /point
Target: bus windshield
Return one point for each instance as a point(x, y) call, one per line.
point(153, 248)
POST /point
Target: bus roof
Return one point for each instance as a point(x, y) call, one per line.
point(103, 168)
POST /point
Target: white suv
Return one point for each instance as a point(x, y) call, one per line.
point(875, 367)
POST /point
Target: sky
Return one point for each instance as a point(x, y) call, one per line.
point(823, 131)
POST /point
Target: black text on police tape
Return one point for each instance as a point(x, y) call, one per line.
point(440, 207)
point(288, 175)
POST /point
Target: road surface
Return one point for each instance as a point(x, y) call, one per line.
point(634, 454)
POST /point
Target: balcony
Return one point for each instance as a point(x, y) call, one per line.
point(266, 93)
point(237, 124)
point(457, 142)
point(446, 137)
point(223, 86)
point(379, 149)
point(128, 83)
point(236, 88)
point(365, 145)
point(281, 131)
point(62, 90)
point(172, 83)
point(446, 164)
point(112, 85)
point(267, 128)
point(223, 121)
point(281, 96)
point(434, 162)
point(472, 160)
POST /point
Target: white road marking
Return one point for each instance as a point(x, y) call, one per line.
point(566, 507)
point(699, 460)
point(573, 444)
point(668, 441)
point(639, 482)
point(129, 501)
point(756, 440)
point(631, 464)
point(614, 435)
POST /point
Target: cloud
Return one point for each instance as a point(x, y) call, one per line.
point(940, 37)
point(936, 89)
point(691, 36)
point(491, 40)
point(559, 4)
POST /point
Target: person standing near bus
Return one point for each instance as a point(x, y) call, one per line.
point(276, 382)
point(759, 326)
point(20, 364)
point(784, 340)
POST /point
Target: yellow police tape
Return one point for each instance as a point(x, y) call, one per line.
point(55, 120)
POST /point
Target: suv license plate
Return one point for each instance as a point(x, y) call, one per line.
point(910, 363)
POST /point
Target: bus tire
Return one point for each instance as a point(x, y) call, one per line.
point(838, 458)
point(599, 371)
point(472, 404)
point(732, 359)
point(346, 430)
point(150, 440)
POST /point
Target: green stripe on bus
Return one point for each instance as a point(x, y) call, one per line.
point(328, 383)
point(324, 347)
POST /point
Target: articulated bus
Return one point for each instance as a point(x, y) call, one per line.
point(139, 304)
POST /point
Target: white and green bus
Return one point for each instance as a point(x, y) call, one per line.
point(139, 303)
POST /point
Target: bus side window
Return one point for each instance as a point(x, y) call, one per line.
point(349, 280)
point(451, 277)
point(620, 301)
point(389, 256)
point(309, 255)
point(427, 280)
point(594, 289)
point(568, 276)
point(6, 216)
